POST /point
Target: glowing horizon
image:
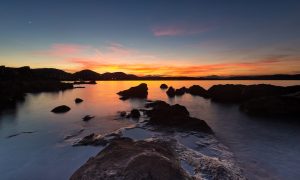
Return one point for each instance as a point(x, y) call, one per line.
point(193, 38)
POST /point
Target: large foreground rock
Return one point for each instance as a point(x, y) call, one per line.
point(140, 91)
point(285, 105)
point(125, 159)
point(174, 116)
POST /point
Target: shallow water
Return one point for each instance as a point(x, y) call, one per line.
point(266, 148)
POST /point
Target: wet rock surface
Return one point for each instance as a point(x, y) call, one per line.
point(140, 91)
point(175, 116)
point(156, 158)
point(127, 159)
point(61, 109)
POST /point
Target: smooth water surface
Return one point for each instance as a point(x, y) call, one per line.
point(265, 148)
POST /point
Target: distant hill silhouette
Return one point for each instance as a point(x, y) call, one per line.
point(26, 73)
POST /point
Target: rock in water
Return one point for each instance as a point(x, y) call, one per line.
point(171, 92)
point(61, 109)
point(140, 91)
point(175, 116)
point(197, 90)
point(78, 100)
point(180, 91)
point(135, 113)
point(226, 93)
point(163, 86)
point(87, 118)
point(129, 160)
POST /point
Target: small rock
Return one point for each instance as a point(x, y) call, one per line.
point(61, 109)
point(78, 100)
point(135, 113)
point(163, 86)
point(171, 92)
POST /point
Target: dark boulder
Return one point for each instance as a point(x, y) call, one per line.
point(171, 92)
point(135, 113)
point(180, 91)
point(261, 90)
point(130, 160)
point(226, 93)
point(163, 86)
point(284, 105)
point(87, 118)
point(78, 100)
point(197, 90)
point(61, 109)
point(174, 116)
point(140, 91)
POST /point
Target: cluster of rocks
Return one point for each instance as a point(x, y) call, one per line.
point(154, 159)
point(140, 91)
point(260, 99)
point(164, 114)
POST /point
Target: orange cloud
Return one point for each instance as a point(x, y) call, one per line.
point(263, 66)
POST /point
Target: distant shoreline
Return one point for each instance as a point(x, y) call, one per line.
point(22, 73)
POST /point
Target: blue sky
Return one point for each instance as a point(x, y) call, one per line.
point(220, 37)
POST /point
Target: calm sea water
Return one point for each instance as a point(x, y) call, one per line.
point(266, 148)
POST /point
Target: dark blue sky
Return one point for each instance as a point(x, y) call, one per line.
point(214, 36)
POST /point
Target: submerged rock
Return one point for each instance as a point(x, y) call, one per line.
point(61, 109)
point(87, 118)
point(285, 105)
point(197, 90)
point(140, 91)
point(175, 116)
point(78, 100)
point(140, 160)
point(171, 92)
point(163, 86)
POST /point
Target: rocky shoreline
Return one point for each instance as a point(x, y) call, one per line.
point(127, 157)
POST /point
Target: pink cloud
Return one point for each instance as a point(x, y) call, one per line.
point(179, 30)
point(62, 50)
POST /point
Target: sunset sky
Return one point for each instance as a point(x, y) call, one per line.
point(170, 38)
